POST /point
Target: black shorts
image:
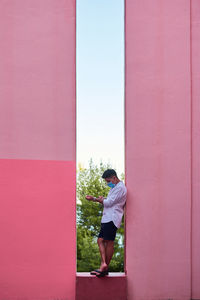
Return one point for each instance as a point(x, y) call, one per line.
point(108, 231)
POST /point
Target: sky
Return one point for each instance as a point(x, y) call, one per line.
point(100, 82)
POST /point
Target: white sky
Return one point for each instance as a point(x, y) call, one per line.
point(100, 82)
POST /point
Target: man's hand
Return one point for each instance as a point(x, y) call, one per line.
point(100, 199)
point(90, 198)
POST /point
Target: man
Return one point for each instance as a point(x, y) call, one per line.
point(111, 219)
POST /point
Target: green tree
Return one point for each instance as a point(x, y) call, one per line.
point(90, 182)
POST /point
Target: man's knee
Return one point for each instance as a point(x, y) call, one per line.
point(100, 241)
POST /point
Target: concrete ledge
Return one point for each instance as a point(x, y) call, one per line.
point(111, 287)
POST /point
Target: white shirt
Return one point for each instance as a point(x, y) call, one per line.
point(114, 204)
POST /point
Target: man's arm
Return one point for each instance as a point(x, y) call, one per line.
point(99, 199)
point(114, 198)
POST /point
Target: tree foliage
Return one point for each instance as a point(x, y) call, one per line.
point(89, 214)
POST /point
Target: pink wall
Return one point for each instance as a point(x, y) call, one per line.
point(112, 287)
point(37, 153)
point(162, 149)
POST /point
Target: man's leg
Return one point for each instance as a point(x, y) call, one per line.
point(102, 250)
point(109, 251)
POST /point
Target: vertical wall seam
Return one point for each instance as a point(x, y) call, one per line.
point(191, 149)
point(75, 121)
point(125, 129)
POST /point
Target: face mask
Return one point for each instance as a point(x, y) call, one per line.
point(111, 185)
